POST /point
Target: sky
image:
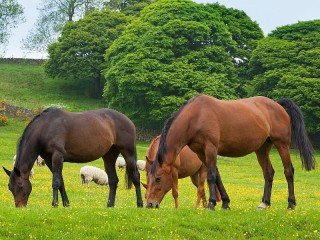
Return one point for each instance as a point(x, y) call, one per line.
point(268, 14)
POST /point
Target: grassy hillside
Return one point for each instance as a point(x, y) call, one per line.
point(26, 85)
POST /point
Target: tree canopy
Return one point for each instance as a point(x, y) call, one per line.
point(77, 57)
point(11, 13)
point(286, 64)
point(175, 50)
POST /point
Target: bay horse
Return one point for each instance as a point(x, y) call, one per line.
point(231, 128)
point(187, 164)
point(59, 136)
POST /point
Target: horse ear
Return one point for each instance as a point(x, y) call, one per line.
point(17, 171)
point(7, 171)
point(144, 185)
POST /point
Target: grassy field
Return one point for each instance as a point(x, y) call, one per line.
point(89, 218)
point(28, 86)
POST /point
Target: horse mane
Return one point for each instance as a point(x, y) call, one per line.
point(27, 130)
point(162, 145)
point(152, 146)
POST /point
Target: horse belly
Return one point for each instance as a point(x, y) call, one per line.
point(86, 151)
point(189, 163)
point(238, 146)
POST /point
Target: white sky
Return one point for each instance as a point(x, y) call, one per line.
point(268, 14)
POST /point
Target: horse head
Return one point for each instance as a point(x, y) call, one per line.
point(20, 186)
point(160, 181)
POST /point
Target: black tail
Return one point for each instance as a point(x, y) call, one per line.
point(128, 180)
point(299, 135)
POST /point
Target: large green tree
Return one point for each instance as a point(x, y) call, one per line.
point(177, 49)
point(77, 57)
point(286, 64)
point(11, 13)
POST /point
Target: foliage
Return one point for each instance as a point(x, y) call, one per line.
point(53, 16)
point(78, 55)
point(286, 64)
point(175, 50)
point(129, 7)
point(11, 14)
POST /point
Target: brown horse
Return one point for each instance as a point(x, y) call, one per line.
point(187, 164)
point(231, 128)
point(59, 136)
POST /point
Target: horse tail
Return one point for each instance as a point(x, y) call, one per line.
point(128, 180)
point(299, 135)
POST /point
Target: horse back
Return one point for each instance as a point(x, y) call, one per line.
point(236, 127)
point(86, 136)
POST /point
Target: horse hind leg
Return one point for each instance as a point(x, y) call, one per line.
point(200, 192)
point(268, 173)
point(133, 173)
point(110, 159)
point(284, 153)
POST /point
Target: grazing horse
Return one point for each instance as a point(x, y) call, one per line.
point(59, 136)
point(232, 128)
point(187, 164)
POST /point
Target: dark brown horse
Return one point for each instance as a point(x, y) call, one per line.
point(187, 164)
point(231, 128)
point(59, 136)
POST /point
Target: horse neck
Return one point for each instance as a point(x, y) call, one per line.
point(176, 139)
point(26, 156)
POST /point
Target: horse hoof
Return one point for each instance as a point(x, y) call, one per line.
point(211, 207)
point(291, 207)
point(262, 206)
point(226, 208)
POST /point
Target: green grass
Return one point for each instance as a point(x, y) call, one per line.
point(28, 86)
point(89, 218)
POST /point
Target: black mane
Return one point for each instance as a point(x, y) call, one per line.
point(162, 144)
point(28, 128)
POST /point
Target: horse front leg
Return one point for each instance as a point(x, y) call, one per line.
point(175, 192)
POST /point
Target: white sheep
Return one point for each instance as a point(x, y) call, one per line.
point(40, 161)
point(91, 173)
point(31, 175)
point(120, 163)
point(141, 165)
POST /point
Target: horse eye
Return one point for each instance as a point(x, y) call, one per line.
point(158, 179)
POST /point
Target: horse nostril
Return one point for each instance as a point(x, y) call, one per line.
point(157, 205)
point(149, 205)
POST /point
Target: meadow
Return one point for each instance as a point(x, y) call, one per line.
point(89, 218)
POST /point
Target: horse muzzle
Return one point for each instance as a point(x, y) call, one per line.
point(153, 205)
point(20, 205)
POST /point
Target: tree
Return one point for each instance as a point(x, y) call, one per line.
point(77, 57)
point(286, 64)
point(11, 14)
point(129, 7)
point(54, 14)
point(175, 50)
